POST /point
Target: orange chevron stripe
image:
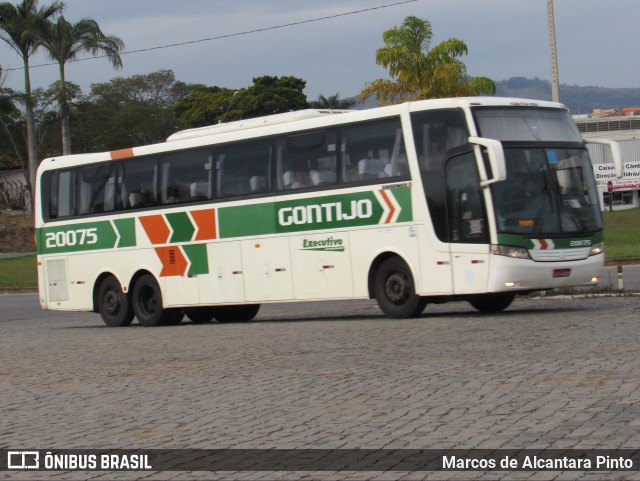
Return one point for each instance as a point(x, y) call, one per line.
point(156, 228)
point(392, 209)
point(121, 154)
point(206, 223)
point(173, 261)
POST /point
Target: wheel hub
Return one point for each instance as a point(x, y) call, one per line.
point(112, 303)
point(396, 288)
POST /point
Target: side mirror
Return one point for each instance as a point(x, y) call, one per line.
point(496, 160)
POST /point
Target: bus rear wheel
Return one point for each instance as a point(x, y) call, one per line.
point(492, 302)
point(242, 313)
point(394, 289)
point(113, 304)
point(147, 303)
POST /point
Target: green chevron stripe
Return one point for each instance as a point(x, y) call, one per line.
point(182, 227)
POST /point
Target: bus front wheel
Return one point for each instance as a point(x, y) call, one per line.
point(394, 289)
point(147, 303)
point(113, 304)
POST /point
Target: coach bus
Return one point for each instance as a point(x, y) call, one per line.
point(475, 199)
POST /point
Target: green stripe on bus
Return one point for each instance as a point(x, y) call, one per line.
point(127, 230)
point(246, 220)
point(182, 227)
point(403, 197)
point(566, 243)
point(357, 209)
point(88, 236)
point(197, 255)
point(317, 213)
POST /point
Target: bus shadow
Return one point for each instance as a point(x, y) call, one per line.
point(439, 312)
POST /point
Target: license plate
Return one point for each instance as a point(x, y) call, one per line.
point(561, 272)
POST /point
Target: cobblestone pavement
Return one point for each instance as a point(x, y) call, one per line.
point(552, 373)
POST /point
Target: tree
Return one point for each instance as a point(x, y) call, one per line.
point(157, 89)
point(332, 102)
point(19, 28)
point(419, 72)
point(267, 96)
point(12, 152)
point(128, 112)
point(273, 95)
point(208, 106)
point(64, 41)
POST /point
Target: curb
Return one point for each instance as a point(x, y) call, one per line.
point(13, 255)
point(630, 261)
point(18, 290)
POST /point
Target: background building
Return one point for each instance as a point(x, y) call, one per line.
point(624, 128)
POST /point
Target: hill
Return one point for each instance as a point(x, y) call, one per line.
point(580, 100)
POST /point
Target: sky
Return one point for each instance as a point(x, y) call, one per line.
point(596, 40)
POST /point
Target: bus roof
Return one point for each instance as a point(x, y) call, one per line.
point(253, 123)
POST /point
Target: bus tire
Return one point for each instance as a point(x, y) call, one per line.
point(492, 302)
point(201, 315)
point(113, 304)
point(147, 302)
point(394, 289)
point(242, 313)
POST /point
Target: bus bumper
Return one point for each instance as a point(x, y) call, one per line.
point(509, 274)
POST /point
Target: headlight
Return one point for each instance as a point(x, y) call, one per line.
point(510, 251)
point(597, 249)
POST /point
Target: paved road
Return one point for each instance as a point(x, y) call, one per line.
point(558, 373)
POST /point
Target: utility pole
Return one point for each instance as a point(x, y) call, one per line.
point(555, 82)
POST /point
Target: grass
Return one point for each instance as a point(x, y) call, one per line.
point(18, 273)
point(621, 234)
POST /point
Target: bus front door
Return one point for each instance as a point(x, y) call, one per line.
point(468, 226)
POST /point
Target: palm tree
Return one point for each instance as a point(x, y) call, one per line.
point(19, 27)
point(332, 102)
point(63, 42)
point(418, 72)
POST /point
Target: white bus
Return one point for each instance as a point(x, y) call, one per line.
point(475, 199)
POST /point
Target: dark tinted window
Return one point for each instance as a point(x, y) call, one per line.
point(436, 133)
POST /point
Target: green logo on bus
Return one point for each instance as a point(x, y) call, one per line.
point(325, 213)
point(327, 245)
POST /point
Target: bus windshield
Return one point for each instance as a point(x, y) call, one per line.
point(548, 191)
point(549, 188)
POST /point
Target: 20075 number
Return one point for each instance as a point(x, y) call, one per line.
point(78, 237)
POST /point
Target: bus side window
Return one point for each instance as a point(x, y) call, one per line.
point(50, 199)
point(373, 150)
point(243, 168)
point(59, 194)
point(140, 179)
point(96, 189)
point(307, 159)
point(186, 176)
